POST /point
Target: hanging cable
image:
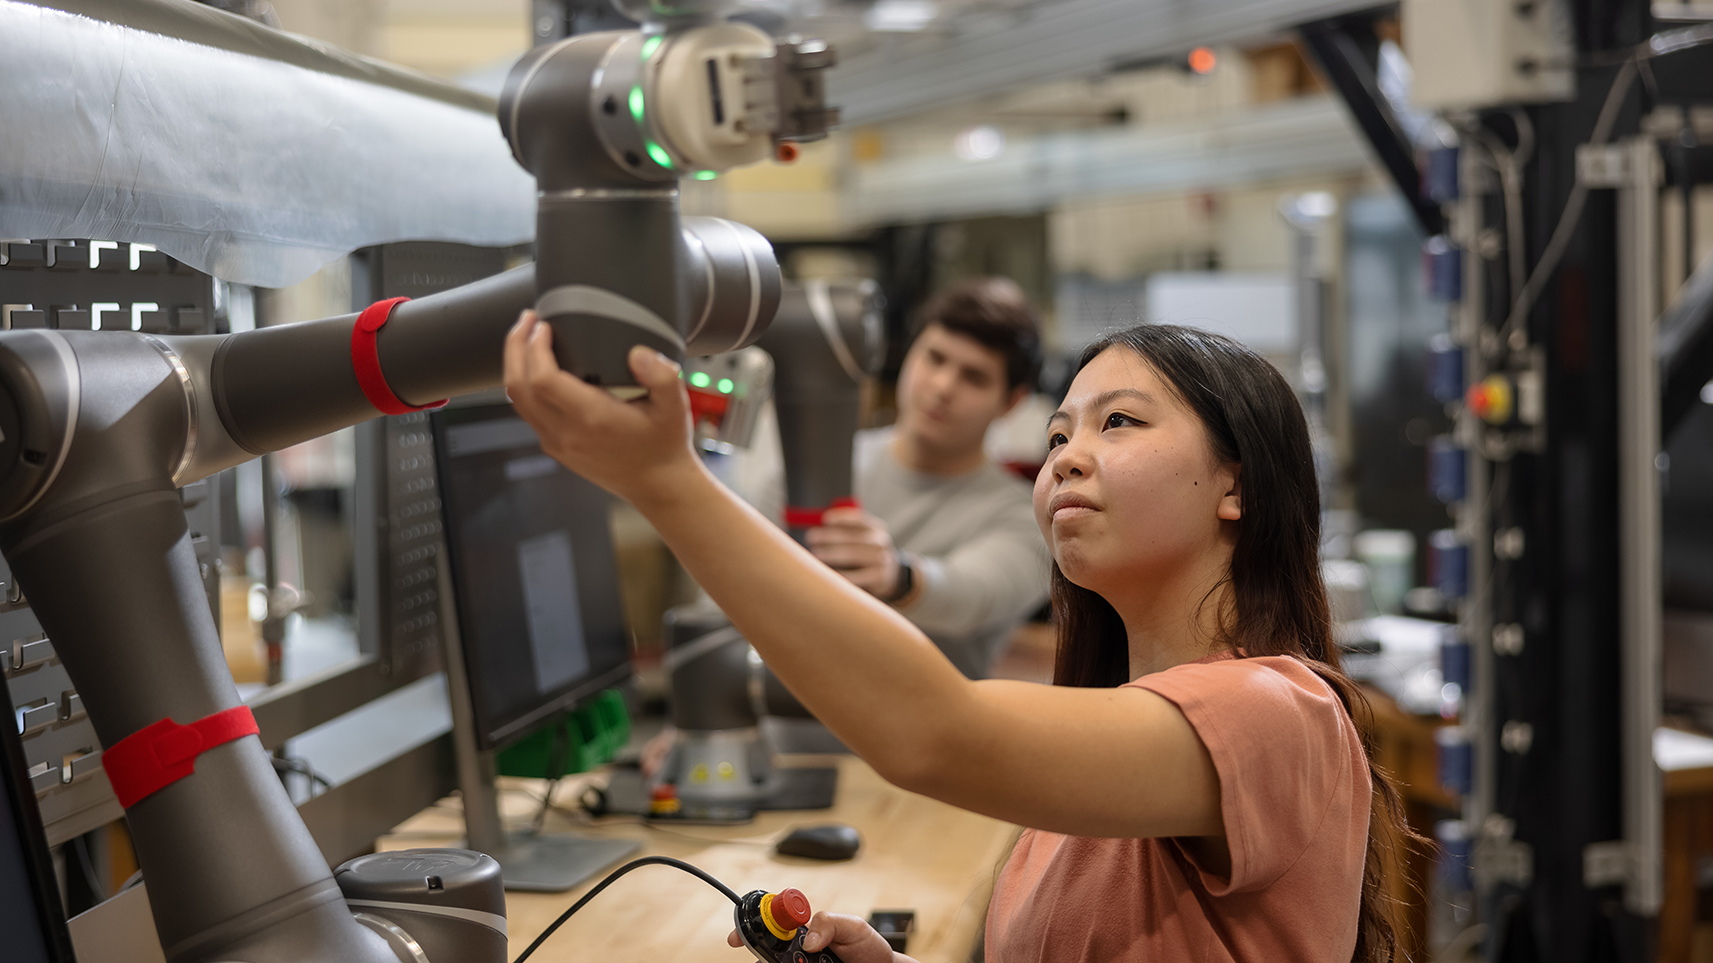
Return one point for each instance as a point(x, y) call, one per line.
point(1524, 301)
point(614, 875)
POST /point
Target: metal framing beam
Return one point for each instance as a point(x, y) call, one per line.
point(1306, 136)
point(1640, 566)
point(1351, 73)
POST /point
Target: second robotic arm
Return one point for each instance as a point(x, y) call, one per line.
point(825, 341)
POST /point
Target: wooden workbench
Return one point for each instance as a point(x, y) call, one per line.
point(917, 854)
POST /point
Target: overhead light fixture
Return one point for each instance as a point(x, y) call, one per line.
point(1202, 61)
point(900, 16)
point(1308, 211)
point(1317, 204)
point(979, 143)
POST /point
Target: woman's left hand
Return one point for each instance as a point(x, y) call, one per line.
point(637, 449)
point(849, 938)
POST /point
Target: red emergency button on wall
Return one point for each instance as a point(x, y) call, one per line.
point(790, 909)
point(1492, 399)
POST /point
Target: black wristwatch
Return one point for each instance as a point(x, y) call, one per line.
point(906, 578)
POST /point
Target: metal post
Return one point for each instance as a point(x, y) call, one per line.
point(1474, 516)
point(1639, 518)
point(273, 623)
point(483, 830)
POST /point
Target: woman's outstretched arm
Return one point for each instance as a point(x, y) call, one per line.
point(1098, 762)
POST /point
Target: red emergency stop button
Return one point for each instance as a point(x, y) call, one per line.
point(790, 909)
point(663, 800)
point(1492, 399)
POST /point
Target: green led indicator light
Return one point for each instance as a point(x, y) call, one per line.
point(725, 386)
point(636, 104)
point(650, 45)
point(700, 379)
point(659, 154)
point(705, 175)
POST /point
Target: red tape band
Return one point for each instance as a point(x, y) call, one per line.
point(811, 517)
point(366, 361)
point(156, 756)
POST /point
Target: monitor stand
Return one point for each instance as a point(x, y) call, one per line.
point(529, 861)
point(535, 863)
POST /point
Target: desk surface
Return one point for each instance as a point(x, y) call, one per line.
point(917, 854)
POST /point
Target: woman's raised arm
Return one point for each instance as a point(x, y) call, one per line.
point(1094, 762)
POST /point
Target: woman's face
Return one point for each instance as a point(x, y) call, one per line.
point(1131, 489)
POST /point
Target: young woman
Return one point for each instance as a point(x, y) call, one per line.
point(1194, 785)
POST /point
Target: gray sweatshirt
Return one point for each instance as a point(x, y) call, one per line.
point(975, 548)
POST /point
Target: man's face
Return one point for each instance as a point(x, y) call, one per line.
point(950, 389)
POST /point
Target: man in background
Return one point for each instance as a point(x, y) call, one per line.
point(943, 534)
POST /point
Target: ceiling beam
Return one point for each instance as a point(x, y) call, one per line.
point(1306, 136)
point(1053, 41)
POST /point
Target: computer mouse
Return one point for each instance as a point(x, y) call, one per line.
point(830, 841)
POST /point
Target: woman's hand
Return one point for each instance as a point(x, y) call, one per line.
point(633, 449)
point(850, 938)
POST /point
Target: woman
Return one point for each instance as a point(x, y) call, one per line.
point(1193, 785)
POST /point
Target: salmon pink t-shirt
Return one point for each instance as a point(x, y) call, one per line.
point(1294, 796)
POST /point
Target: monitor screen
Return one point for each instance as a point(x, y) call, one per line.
point(32, 924)
point(533, 573)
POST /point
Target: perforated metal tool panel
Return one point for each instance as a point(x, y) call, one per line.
point(408, 502)
point(414, 540)
point(72, 285)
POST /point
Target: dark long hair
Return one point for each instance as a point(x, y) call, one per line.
point(1278, 601)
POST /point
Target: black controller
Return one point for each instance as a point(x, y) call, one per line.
point(773, 927)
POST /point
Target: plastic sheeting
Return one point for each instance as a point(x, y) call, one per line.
point(251, 169)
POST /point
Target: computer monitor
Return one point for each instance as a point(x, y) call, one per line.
point(539, 623)
point(533, 573)
point(32, 923)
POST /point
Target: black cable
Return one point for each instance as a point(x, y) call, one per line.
point(584, 817)
point(302, 768)
point(615, 874)
point(555, 768)
point(546, 806)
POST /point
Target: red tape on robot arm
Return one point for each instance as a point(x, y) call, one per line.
point(366, 360)
point(156, 756)
point(812, 517)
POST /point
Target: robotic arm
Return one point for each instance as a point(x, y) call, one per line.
point(825, 341)
point(98, 429)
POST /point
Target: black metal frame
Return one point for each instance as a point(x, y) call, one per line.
point(1346, 49)
point(1563, 791)
point(31, 841)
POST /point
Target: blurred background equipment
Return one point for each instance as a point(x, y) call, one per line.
point(824, 343)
